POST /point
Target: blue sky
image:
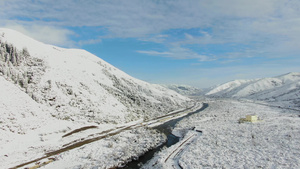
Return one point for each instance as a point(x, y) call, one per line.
point(195, 42)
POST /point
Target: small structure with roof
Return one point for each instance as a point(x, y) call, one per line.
point(249, 118)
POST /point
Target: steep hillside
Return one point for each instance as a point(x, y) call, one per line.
point(19, 113)
point(78, 85)
point(284, 89)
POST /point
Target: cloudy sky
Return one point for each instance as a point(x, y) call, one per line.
point(194, 42)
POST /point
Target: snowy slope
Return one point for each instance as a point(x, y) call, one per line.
point(184, 89)
point(48, 91)
point(229, 88)
point(19, 113)
point(78, 84)
point(284, 89)
point(23, 124)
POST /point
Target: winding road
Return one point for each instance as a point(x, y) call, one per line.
point(98, 136)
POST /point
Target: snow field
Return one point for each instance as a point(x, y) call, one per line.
point(272, 143)
point(23, 124)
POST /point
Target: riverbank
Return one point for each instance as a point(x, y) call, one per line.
point(110, 152)
point(133, 139)
point(271, 143)
point(165, 126)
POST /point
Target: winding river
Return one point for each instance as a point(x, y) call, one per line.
point(165, 128)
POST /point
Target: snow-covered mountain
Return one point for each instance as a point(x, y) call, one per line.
point(78, 85)
point(185, 90)
point(284, 89)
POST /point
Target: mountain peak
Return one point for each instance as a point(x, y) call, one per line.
point(79, 85)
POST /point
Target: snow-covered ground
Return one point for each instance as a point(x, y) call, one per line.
point(27, 129)
point(48, 91)
point(109, 152)
point(273, 142)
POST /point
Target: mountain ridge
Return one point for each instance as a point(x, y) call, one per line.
point(282, 89)
point(80, 85)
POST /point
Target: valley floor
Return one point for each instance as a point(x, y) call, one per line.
point(273, 142)
point(98, 146)
point(212, 138)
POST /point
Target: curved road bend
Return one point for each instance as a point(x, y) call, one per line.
point(110, 133)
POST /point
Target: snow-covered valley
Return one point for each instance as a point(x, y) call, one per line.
point(225, 141)
point(272, 142)
point(71, 109)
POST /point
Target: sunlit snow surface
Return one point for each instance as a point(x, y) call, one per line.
point(282, 90)
point(53, 91)
point(273, 142)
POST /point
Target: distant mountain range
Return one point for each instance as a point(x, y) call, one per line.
point(282, 90)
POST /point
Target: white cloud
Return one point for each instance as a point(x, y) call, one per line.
point(250, 22)
point(90, 41)
point(139, 17)
point(178, 52)
point(155, 38)
point(258, 28)
point(151, 52)
point(47, 34)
